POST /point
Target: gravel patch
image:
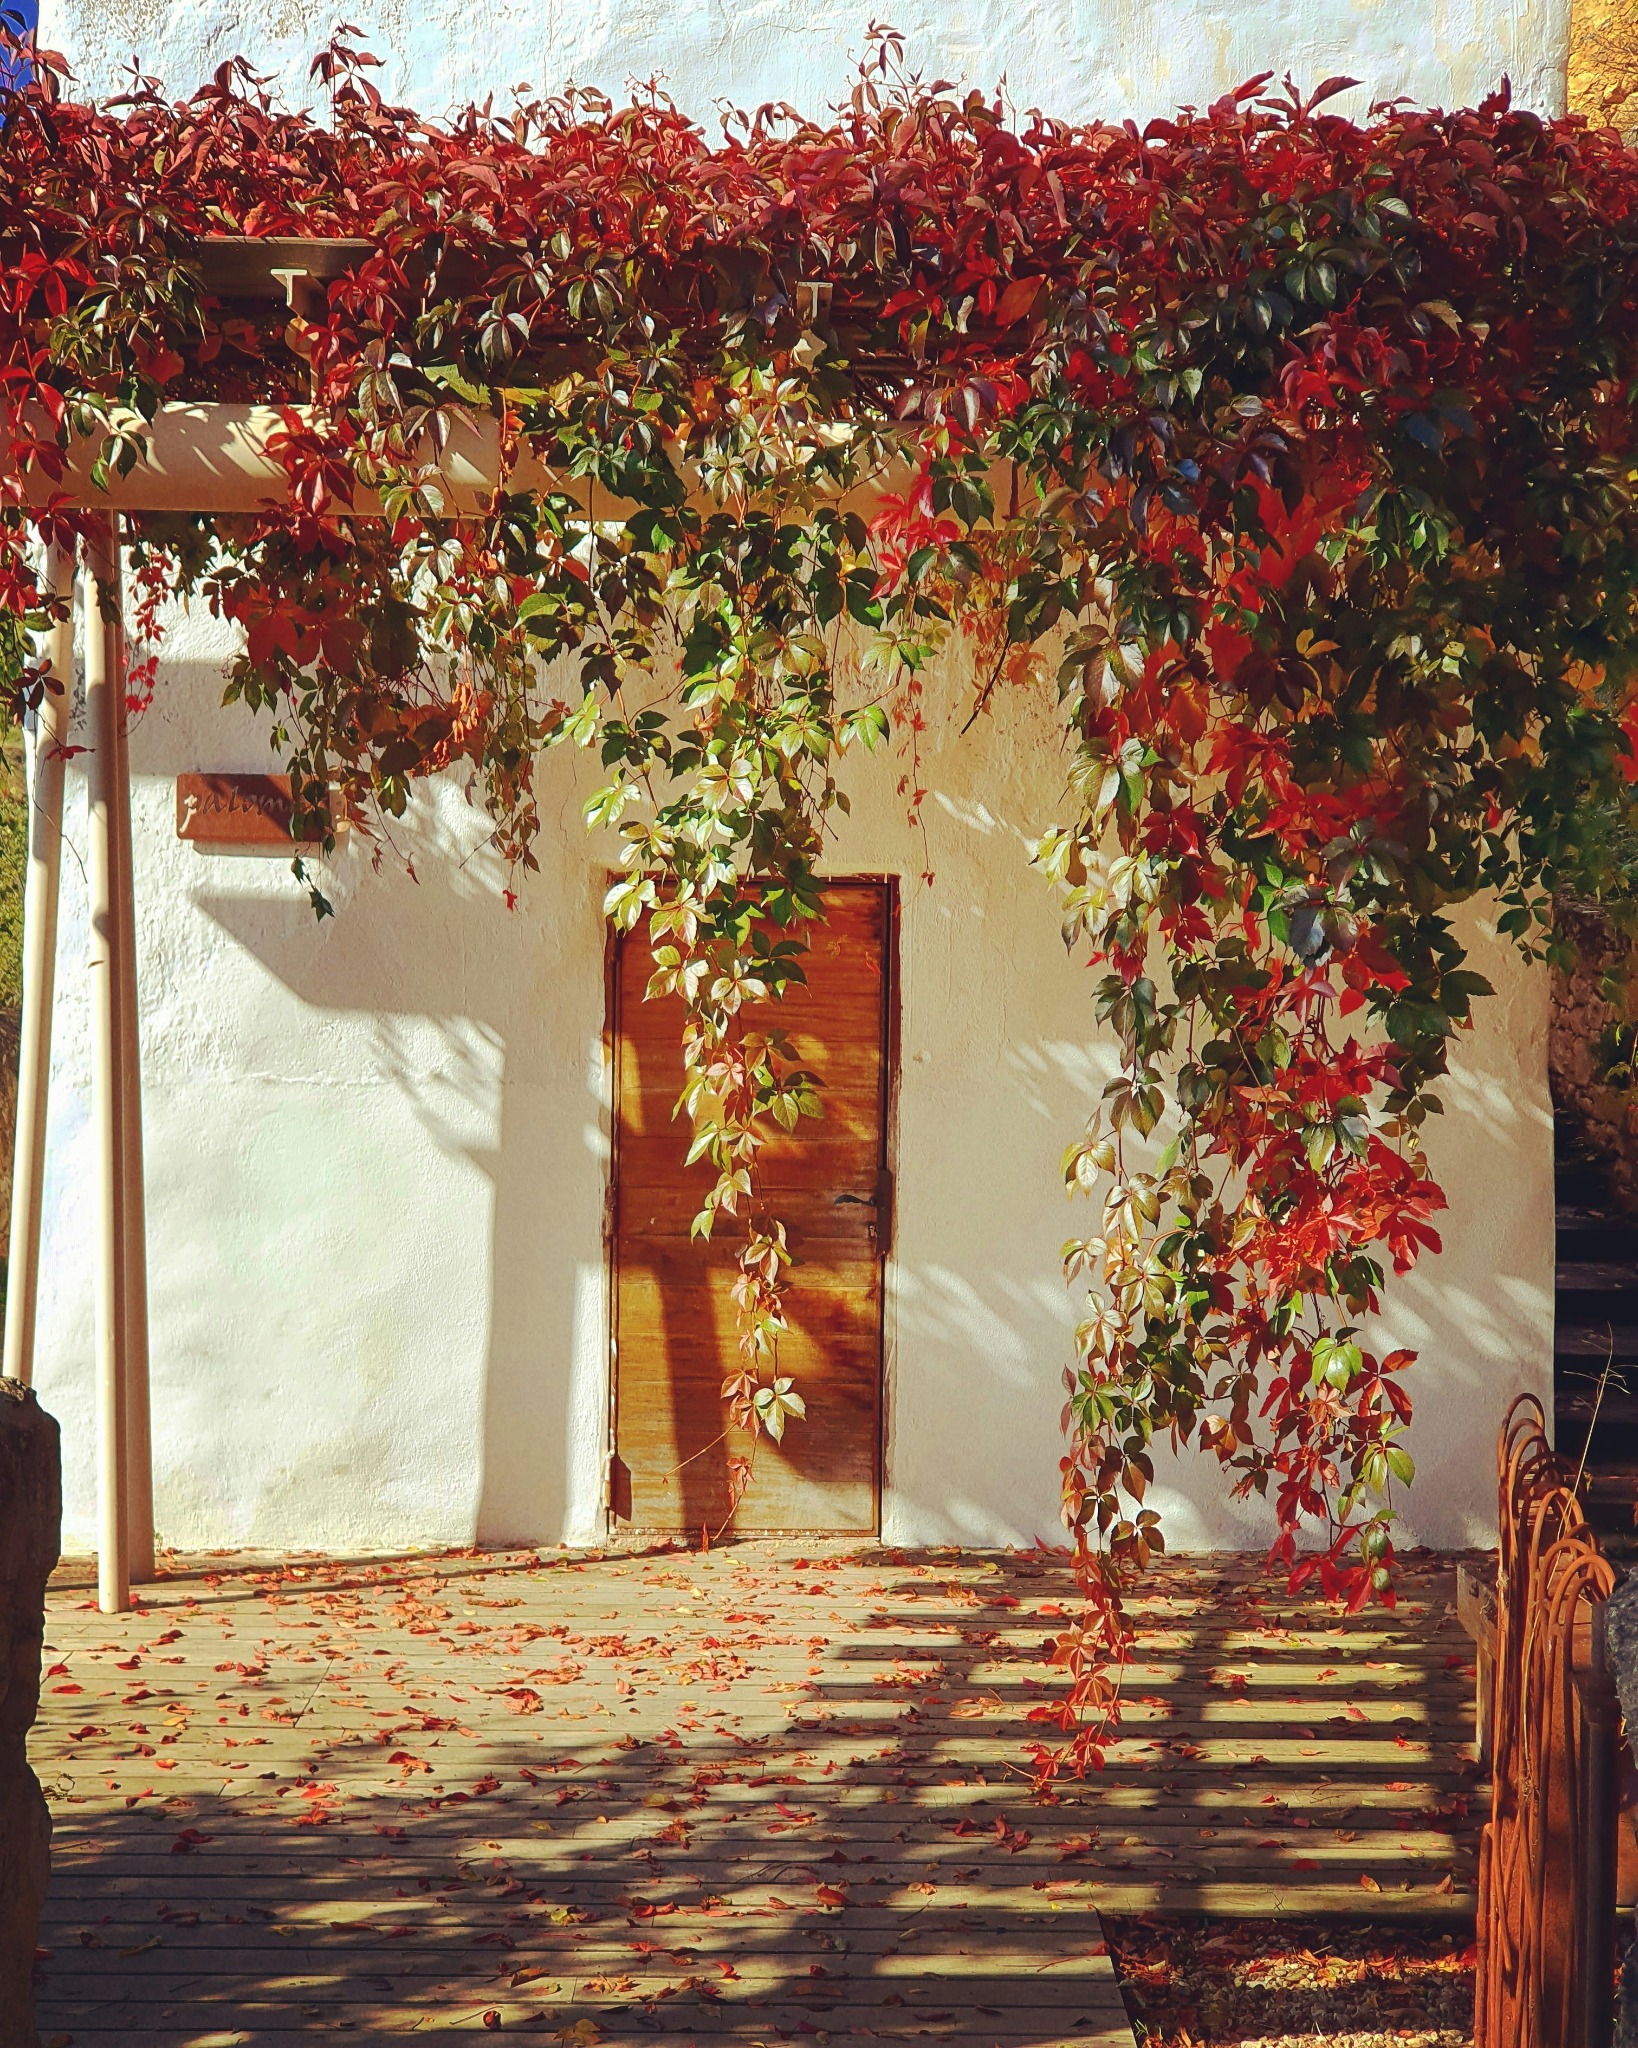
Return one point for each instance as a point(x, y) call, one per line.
point(1192, 1983)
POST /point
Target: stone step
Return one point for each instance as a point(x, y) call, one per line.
point(1585, 1339)
point(1585, 1235)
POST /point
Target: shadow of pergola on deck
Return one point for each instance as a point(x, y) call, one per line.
point(760, 1794)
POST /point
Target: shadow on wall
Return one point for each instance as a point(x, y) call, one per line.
point(1481, 1314)
point(466, 1018)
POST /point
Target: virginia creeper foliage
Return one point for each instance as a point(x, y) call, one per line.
point(1294, 456)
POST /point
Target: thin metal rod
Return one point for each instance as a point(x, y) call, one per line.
point(139, 1462)
point(41, 892)
point(103, 683)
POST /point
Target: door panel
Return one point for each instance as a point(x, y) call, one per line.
point(675, 1334)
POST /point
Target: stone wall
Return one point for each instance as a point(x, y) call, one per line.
point(30, 1514)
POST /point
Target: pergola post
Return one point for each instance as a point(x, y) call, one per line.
point(139, 1462)
point(41, 892)
point(104, 683)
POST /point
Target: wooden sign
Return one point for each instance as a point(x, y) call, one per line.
point(234, 810)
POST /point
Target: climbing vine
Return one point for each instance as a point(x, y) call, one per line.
point(1291, 456)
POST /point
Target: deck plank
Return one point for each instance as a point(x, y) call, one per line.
point(771, 1791)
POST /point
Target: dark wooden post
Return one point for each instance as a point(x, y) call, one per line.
point(30, 1519)
point(1598, 1733)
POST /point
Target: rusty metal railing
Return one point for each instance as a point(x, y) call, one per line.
point(1546, 1933)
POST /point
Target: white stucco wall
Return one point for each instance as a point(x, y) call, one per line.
point(377, 1152)
point(377, 1147)
point(1072, 58)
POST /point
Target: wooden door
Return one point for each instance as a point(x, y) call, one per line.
point(674, 1319)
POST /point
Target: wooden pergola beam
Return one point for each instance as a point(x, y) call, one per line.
point(259, 267)
point(216, 459)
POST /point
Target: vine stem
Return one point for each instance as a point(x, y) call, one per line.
point(1598, 1402)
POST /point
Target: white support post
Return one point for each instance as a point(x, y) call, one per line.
point(139, 1462)
point(104, 683)
point(41, 891)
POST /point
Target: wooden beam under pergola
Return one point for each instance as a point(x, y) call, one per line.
point(214, 460)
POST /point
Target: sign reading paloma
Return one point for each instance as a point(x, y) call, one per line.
point(1292, 457)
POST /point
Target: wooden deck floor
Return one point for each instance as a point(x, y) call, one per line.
point(767, 1794)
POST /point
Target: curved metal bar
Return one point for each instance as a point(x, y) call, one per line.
point(1544, 1881)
